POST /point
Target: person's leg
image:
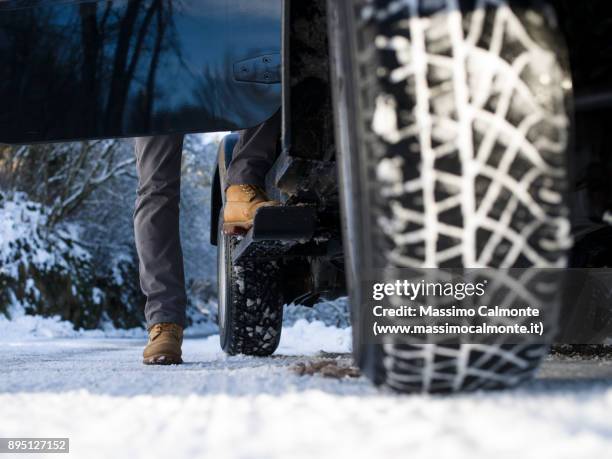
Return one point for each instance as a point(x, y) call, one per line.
point(255, 153)
point(156, 226)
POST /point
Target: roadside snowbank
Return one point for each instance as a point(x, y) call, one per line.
point(307, 338)
point(23, 327)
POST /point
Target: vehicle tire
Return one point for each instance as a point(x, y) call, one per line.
point(449, 104)
point(251, 303)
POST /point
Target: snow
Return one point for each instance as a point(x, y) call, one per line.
point(21, 225)
point(24, 328)
point(95, 391)
point(308, 338)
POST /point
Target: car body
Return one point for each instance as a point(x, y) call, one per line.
point(124, 68)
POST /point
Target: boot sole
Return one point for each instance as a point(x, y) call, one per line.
point(162, 360)
point(241, 228)
point(237, 228)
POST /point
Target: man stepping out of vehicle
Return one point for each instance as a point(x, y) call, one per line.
point(156, 224)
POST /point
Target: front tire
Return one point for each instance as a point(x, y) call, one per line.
point(251, 302)
point(451, 124)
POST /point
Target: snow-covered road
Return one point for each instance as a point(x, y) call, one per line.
point(96, 392)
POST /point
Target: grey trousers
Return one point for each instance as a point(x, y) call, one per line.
point(255, 153)
point(156, 215)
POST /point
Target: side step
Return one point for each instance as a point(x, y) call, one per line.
point(275, 231)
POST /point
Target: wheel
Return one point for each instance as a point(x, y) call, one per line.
point(250, 302)
point(452, 130)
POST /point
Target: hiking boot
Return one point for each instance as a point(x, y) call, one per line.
point(164, 346)
point(241, 204)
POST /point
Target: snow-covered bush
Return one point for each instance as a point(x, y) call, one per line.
point(44, 269)
point(331, 313)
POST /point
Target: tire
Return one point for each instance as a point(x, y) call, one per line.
point(427, 94)
point(250, 302)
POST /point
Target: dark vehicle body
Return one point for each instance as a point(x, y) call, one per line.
point(124, 68)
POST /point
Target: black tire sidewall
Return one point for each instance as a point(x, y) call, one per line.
point(224, 285)
point(351, 174)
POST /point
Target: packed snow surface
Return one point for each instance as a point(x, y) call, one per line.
point(92, 388)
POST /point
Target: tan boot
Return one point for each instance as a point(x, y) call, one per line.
point(241, 204)
point(164, 346)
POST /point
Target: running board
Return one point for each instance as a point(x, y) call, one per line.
point(275, 231)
